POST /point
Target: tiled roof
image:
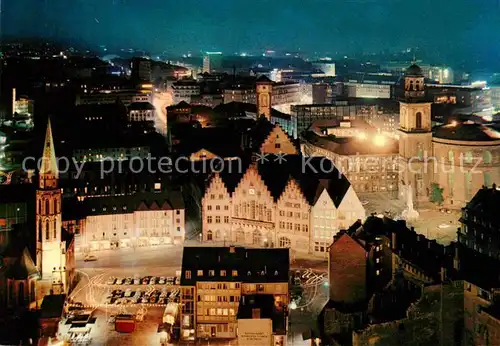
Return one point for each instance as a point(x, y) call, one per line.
point(252, 265)
point(130, 203)
point(22, 268)
point(313, 175)
point(466, 131)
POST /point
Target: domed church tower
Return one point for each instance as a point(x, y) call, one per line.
point(415, 136)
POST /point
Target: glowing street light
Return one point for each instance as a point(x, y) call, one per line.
point(293, 305)
point(379, 140)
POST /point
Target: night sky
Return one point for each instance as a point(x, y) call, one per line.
point(451, 26)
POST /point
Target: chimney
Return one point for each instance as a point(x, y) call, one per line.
point(494, 186)
point(394, 244)
point(412, 229)
point(420, 237)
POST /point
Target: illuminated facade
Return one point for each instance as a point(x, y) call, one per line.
point(460, 157)
point(415, 134)
point(215, 279)
point(138, 220)
point(274, 205)
point(54, 255)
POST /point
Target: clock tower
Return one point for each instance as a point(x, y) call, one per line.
point(50, 249)
point(415, 137)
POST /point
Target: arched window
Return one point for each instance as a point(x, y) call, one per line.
point(411, 85)
point(240, 236)
point(468, 157)
point(487, 158)
point(487, 179)
point(40, 223)
point(20, 294)
point(54, 205)
point(451, 157)
point(32, 291)
point(418, 120)
point(209, 235)
point(285, 242)
point(47, 208)
point(257, 237)
point(420, 151)
point(55, 229)
point(47, 229)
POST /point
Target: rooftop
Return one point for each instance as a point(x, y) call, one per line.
point(466, 131)
point(234, 264)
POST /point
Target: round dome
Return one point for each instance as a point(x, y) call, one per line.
point(466, 131)
point(414, 70)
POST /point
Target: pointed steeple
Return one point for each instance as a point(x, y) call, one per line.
point(48, 165)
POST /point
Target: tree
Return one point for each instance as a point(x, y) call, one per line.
point(436, 194)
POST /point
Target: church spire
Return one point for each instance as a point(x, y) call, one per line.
point(48, 165)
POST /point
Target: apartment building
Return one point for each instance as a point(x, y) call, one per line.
point(137, 220)
point(216, 281)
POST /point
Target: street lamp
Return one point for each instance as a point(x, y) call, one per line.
point(201, 237)
point(293, 305)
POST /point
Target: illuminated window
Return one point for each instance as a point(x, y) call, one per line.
point(235, 273)
point(188, 274)
point(211, 273)
point(222, 273)
point(199, 273)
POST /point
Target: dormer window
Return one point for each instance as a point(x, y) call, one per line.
point(104, 209)
point(275, 273)
point(249, 273)
point(262, 273)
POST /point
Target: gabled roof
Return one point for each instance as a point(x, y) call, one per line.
point(23, 267)
point(313, 175)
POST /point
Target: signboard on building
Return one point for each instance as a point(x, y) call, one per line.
point(252, 332)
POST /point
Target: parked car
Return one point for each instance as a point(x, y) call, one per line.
point(162, 280)
point(153, 299)
point(145, 280)
point(110, 281)
point(128, 292)
point(119, 281)
point(137, 280)
point(144, 299)
point(128, 281)
point(90, 258)
point(152, 281)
